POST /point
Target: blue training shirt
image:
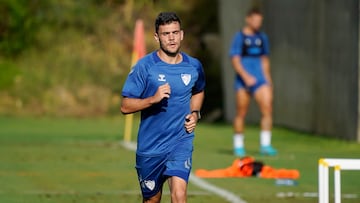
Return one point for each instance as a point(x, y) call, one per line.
point(162, 124)
point(255, 45)
point(250, 48)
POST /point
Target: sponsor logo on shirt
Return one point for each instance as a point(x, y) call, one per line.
point(247, 41)
point(186, 78)
point(161, 78)
point(258, 42)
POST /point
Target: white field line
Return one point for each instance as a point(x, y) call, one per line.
point(108, 192)
point(225, 194)
point(310, 195)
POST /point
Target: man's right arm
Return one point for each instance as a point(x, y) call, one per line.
point(235, 53)
point(239, 69)
point(132, 105)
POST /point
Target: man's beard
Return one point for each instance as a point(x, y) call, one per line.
point(167, 52)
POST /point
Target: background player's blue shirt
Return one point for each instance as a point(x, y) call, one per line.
point(255, 45)
point(162, 124)
point(250, 48)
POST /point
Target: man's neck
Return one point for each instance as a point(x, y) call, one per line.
point(170, 59)
point(248, 30)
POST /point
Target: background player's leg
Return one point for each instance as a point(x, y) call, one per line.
point(177, 189)
point(154, 199)
point(264, 97)
point(242, 105)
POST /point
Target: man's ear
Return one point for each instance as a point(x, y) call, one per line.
point(156, 36)
point(181, 35)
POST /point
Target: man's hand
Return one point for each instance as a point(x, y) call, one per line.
point(162, 92)
point(190, 122)
point(250, 81)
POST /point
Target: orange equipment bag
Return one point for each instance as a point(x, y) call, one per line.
point(247, 167)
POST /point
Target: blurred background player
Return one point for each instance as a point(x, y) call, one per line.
point(167, 86)
point(249, 56)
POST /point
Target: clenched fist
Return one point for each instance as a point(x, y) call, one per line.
point(162, 92)
point(190, 123)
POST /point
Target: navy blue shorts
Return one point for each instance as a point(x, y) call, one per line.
point(153, 171)
point(240, 84)
point(252, 66)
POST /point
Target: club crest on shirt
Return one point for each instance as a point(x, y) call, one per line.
point(186, 78)
point(161, 78)
point(150, 184)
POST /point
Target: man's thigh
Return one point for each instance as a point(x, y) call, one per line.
point(178, 186)
point(242, 99)
point(263, 96)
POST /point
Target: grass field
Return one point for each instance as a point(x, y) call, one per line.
point(81, 160)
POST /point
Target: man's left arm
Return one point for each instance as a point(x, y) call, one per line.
point(195, 105)
point(265, 61)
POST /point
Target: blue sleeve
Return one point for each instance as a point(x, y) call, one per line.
point(135, 83)
point(236, 45)
point(266, 45)
point(200, 83)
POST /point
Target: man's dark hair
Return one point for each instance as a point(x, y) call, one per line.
point(166, 18)
point(253, 11)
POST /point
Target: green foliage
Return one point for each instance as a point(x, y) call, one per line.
point(18, 25)
point(70, 58)
point(8, 73)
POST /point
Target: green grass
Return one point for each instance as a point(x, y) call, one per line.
point(81, 160)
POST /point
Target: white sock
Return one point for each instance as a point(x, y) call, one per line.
point(238, 140)
point(265, 138)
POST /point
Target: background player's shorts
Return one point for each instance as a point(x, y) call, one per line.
point(153, 171)
point(253, 67)
point(240, 84)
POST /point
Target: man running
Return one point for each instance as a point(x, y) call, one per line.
point(167, 86)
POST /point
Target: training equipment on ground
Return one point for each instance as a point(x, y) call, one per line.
point(247, 167)
point(338, 164)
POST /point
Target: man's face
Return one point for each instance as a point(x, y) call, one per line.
point(254, 21)
point(169, 37)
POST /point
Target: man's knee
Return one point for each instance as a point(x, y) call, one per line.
point(154, 199)
point(241, 113)
point(178, 195)
point(266, 110)
point(265, 107)
point(240, 116)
